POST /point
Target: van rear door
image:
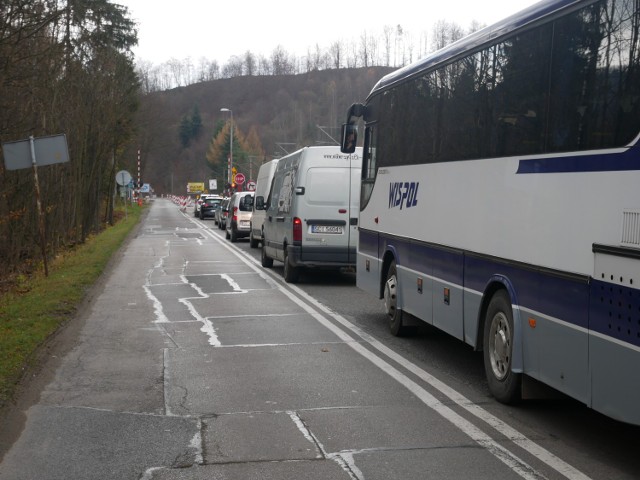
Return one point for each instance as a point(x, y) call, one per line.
point(326, 215)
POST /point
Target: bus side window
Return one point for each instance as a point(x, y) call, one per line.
point(370, 161)
point(369, 165)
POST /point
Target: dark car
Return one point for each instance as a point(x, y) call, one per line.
point(208, 206)
point(223, 211)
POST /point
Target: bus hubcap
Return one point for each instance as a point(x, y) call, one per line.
point(390, 299)
point(500, 346)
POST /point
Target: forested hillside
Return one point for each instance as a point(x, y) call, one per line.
point(273, 115)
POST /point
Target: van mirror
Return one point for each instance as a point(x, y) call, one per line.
point(349, 138)
point(259, 204)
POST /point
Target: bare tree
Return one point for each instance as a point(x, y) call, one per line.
point(249, 63)
point(233, 68)
point(335, 51)
point(387, 34)
point(176, 69)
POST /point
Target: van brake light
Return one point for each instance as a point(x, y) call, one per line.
point(297, 229)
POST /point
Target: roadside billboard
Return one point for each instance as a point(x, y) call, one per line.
point(195, 187)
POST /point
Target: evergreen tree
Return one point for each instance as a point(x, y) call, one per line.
point(185, 131)
point(196, 122)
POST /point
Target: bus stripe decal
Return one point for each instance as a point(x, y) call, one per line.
point(629, 160)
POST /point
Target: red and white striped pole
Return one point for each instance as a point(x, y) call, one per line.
point(139, 176)
point(139, 184)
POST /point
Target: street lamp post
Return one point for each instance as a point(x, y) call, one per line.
point(230, 166)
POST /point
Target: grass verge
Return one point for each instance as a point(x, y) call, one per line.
point(30, 314)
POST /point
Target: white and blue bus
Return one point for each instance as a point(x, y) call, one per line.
point(500, 199)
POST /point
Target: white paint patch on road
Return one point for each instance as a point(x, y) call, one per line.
point(196, 444)
point(233, 284)
point(207, 325)
point(304, 430)
point(349, 463)
point(157, 306)
point(194, 286)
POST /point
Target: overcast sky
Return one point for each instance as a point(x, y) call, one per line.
point(219, 29)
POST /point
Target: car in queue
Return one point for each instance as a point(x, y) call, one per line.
point(209, 205)
point(198, 203)
point(239, 217)
point(222, 212)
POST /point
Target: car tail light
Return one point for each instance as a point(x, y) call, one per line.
point(297, 229)
point(235, 214)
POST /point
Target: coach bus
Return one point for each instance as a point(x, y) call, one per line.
point(500, 199)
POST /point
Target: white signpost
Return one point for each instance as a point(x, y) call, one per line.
point(124, 179)
point(36, 152)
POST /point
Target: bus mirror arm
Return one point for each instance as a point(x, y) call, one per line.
point(355, 110)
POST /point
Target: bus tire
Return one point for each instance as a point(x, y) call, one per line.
point(396, 326)
point(504, 384)
point(291, 274)
point(267, 262)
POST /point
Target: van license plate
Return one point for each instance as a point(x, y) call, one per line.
point(245, 223)
point(326, 229)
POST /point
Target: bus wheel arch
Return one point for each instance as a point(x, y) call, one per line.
point(386, 263)
point(498, 333)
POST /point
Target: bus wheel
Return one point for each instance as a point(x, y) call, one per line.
point(391, 302)
point(267, 262)
point(291, 273)
point(504, 384)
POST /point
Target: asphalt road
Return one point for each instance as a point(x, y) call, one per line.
point(194, 362)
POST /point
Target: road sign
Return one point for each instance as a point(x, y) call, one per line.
point(239, 178)
point(46, 151)
point(123, 178)
point(251, 186)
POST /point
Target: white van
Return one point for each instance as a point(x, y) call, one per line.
point(312, 211)
point(239, 218)
point(263, 187)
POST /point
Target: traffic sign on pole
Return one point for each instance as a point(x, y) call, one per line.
point(239, 178)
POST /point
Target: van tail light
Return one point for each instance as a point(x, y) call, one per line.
point(297, 229)
point(235, 214)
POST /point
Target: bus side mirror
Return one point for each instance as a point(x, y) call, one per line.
point(349, 138)
point(259, 205)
